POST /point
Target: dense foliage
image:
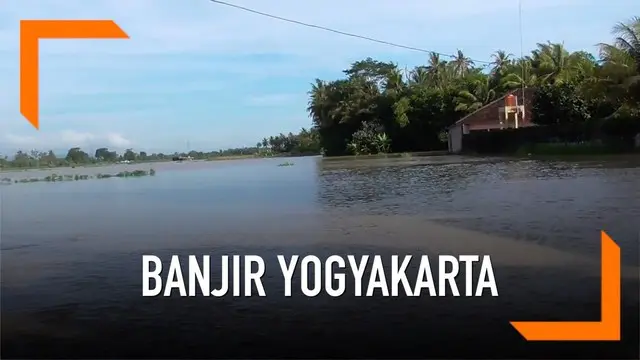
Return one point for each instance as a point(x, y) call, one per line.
point(408, 110)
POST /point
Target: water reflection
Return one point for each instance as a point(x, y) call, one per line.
point(555, 203)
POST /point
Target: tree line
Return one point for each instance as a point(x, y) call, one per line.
point(304, 142)
point(74, 156)
point(379, 107)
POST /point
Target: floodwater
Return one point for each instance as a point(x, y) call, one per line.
point(71, 256)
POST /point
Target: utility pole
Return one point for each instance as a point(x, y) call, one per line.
point(521, 62)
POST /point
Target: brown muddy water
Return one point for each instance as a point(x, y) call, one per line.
point(71, 256)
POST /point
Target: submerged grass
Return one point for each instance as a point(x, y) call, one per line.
point(77, 177)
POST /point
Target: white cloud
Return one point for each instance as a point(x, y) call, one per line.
point(117, 140)
point(64, 140)
point(76, 138)
point(69, 89)
point(18, 140)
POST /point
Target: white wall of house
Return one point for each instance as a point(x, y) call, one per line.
point(455, 139)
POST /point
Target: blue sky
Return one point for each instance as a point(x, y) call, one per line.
point(217, 77)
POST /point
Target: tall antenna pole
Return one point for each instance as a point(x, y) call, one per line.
point(522, 63)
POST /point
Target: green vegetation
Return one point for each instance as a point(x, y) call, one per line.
point(75, 157)
point(286, 164)
point(76, 177)
point(306, 142)
point(303, 143)
point(379, 107)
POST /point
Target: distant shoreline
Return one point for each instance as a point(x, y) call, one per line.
point(15, 169)
point(563, 157)
point(81, 166)
point(233, 157)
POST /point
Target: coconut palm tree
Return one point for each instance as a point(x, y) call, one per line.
point(628, 39)
point(519, 74)
point(436, 69)
point(501, 61)
point(620, 71)
point(551, 63)
point(480, 94)
point(461, 64)
point(394, 82)
point(318, 103)
point(420, 76)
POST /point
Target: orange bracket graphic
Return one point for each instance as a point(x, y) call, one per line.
point(607, 329)
point(31, 31)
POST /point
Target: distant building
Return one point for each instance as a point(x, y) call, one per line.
point(182, 158)
point(508, 111)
